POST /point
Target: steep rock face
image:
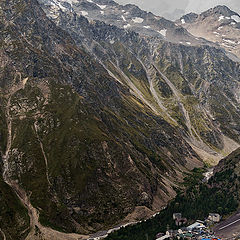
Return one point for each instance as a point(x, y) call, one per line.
point(229, 163)
point(77, 147)
point(219, 25)
point(183, 84)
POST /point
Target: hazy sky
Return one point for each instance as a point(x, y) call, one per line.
point(173, 9)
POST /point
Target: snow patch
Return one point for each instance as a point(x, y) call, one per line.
point(183, 21)
point(102, 12)
point(138, 20)
point(71, 1)
point(229, 41)
point(236, 18)
point(101, 6)
point(57, 4)
point(146, 26)
point(221, 18)
point(220, 28)
point(223, 44)
point(188, 43)
point(127, 26)
point(112, 41)
point(124, 19)
point(163, 32)
point(90, 1)
point(233, 23)
point(84, 13)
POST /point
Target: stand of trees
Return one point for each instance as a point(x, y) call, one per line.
point(220, 194)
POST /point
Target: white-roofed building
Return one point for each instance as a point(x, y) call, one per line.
point(196, 225)
point(214, 217)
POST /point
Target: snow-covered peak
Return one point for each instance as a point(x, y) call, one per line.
point(219, 10)
point(127, 17)
point(219, 25)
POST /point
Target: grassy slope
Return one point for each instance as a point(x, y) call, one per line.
point(12, 213)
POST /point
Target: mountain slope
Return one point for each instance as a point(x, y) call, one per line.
point(78, 148)
point(219, 25)
point(220, 194)
point(168, 78)
point(97, 121)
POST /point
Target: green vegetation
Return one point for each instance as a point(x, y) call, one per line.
point(79, 149)
point(193, 178)
point(220, 194)
point(14, 220)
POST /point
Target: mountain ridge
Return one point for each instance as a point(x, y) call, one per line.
point(129, 17)
point(219, 25)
